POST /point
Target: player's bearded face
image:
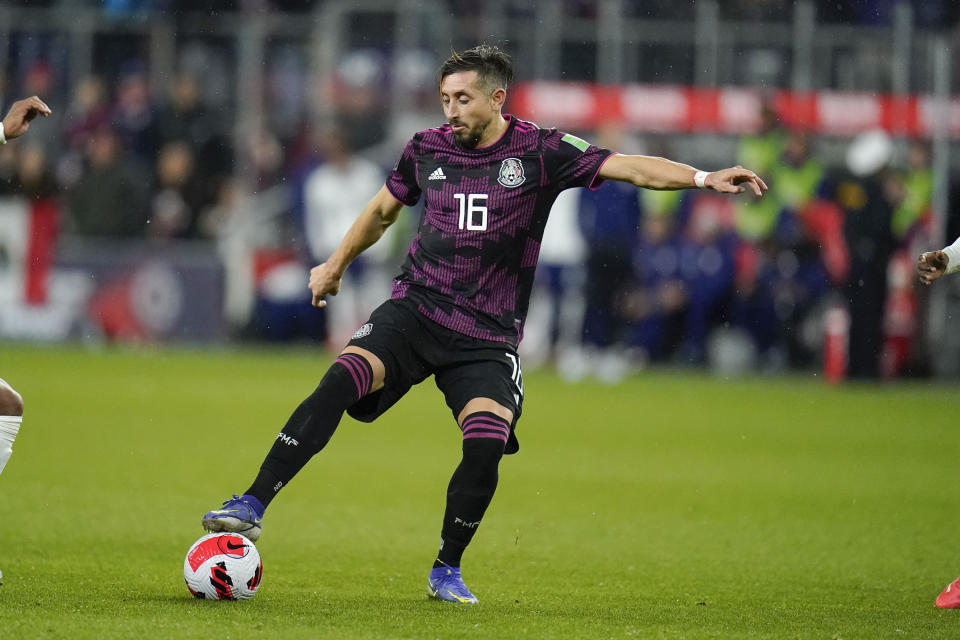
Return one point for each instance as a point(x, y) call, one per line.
point(467, 108)
point(469, 137)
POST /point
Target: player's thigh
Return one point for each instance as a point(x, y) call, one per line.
point(388, 342)
point(376, 365)
point(488, 405)
point(11, 403)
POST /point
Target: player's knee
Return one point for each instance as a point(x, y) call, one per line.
point(484, 451)
point(11, 403)
point(478, 471)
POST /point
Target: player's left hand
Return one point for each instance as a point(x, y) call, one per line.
point(735, 180)
point(931, 265)
point(17, 120)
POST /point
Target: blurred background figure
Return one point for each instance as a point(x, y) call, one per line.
point(334, 193)
point(112, 197)
point(552, 331)
point(610, 224)
point(177, 194)
point(655, 307)
point(866, 198)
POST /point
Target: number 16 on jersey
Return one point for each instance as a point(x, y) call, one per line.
point(472, 205)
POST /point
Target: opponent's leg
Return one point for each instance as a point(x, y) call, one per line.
point(486, 426)
point(354, 374)
point(11, 415)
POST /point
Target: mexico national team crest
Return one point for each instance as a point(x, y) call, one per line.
point(363, 331)
point(511, 173)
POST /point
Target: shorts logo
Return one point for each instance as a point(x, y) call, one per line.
point(363, 331)
point(511, 173)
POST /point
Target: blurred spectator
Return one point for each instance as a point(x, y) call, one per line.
point(87, 112)
point(708, 262)
point(552, 329)
point(134, 115)
point(34, 178)
point(111, 197)
point(913, 192)
point(757, 218)
point(610, 223)
point(654, 308)
point(177, 196)
point(359, 98)
point(864, 196)
point(228, 221)
point(183, 117)
point(39, 81)
point(334, 195)
point(801, 279)
point(266, 159)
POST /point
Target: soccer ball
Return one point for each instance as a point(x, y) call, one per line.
point(223, 566)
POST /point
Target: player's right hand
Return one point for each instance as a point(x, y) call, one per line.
point(324, 280)
point(931, 265)
point(17, 120)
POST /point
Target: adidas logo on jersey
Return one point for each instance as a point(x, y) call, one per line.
point(438, 174)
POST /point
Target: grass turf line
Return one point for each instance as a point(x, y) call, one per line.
point(672, 506)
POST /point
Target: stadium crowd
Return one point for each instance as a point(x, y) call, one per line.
point(627, 278)
point(929, 13)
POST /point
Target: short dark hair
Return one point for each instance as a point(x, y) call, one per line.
point(493, 66)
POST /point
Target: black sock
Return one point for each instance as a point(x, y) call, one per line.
point(471, 487)
point(312, 424)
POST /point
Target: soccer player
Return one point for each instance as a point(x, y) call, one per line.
point(15, 124)
point(930, 266)
point(933, 264)
point(458, 307)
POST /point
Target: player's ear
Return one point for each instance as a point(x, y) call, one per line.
point(497, 98)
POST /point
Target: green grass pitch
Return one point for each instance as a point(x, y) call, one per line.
point(672, 506)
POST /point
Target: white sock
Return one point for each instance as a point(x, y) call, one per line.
point(9, 427)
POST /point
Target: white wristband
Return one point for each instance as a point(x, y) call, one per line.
point(700, 178)
point(3, 137)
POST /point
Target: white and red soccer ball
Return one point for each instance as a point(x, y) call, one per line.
point(223, 566)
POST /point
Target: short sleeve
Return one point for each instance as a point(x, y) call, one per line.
point(402, 181)
point(572, 162)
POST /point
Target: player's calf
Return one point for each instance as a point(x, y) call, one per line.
point(473, 484)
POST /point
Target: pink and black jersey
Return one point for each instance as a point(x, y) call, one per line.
point(471, 265)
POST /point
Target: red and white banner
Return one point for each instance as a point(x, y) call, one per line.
point(28, 233)
point(732, 110)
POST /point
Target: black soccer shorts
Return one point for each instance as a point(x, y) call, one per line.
point(412, 347)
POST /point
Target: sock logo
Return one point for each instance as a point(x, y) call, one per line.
point(287, 440)
point(468, 525)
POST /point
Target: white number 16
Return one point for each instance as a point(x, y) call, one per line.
point(469, 207)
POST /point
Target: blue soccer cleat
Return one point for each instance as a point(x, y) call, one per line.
point(237, 515)
point(445, 583)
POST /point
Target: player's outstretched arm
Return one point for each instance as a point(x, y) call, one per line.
point(659, 173)
point(17, 120)
point(380, 213)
